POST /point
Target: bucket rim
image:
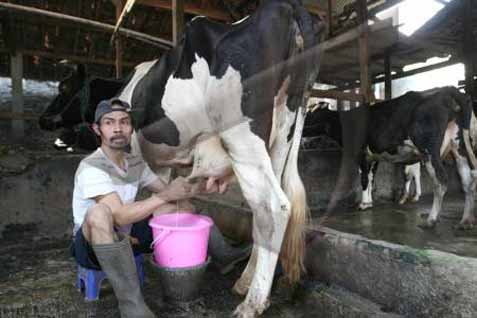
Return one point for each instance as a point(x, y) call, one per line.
point(208, 222)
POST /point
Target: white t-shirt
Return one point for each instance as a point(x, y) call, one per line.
point(98, 175)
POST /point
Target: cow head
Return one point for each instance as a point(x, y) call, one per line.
point(64, 110)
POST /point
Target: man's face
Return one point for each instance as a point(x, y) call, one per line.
point(115, 129)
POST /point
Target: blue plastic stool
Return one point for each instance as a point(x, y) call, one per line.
point(89, 280)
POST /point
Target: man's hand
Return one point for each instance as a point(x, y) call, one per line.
point(178, 189)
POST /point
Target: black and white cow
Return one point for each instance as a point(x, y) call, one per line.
point(230, 100)
point(73, 108)
point(425, 126)
point(326, 122)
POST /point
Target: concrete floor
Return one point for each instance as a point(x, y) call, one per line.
point(399, 224)
point(37, 279)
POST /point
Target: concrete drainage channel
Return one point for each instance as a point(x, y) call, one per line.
point(370, 278)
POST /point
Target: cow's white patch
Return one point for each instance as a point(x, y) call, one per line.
point(198, 17)
point(241, 20)
point(367, 194)
point(139, 72)
point(201, 107)
point(412, 172)
point(450, 136)
point(439, 190)
point(280, 112)
point(204, 103)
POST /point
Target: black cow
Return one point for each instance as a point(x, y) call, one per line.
point(230, 101)
point(325, 122)
point(73, 108)
point(425, 126)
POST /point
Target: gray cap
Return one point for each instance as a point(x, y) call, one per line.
point(110, 105)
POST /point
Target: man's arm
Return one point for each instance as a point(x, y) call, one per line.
point(157, 186)
point(133, 212)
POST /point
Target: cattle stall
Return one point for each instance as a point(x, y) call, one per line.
point(376, 262)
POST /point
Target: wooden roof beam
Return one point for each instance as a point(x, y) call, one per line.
point(165, 44)
point(74, 58)
point(216, 14)
point(189, 8)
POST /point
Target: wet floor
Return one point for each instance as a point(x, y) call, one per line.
point(399, 224)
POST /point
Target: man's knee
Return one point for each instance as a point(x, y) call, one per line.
point(99, 216)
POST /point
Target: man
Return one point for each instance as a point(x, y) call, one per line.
point(104, 208)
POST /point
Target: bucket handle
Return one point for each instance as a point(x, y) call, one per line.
point(160, 237)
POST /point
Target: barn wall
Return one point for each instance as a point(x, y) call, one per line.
point(36, 196)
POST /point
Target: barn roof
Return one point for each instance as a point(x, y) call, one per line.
point(45, 41)
point(441, 36)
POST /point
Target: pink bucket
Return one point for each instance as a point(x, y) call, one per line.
point(180, 239)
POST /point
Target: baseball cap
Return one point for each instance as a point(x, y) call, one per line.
point(110, 105)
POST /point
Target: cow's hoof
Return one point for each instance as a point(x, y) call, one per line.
point(403, 200)
point(465, 225)
point(415, 199)
point(365, 205)
point(241, 286)
point(427, 224)
point(248, 310)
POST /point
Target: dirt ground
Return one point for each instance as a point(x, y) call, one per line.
point(37, 280)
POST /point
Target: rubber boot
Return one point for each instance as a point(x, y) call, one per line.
point(117, 262)
point(224, 256)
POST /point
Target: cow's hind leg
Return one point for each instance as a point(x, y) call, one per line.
point(468, 186)
point(407, 187)
point(242, 285)
point(271, 208)
point(417, 181)
point(439, 185)
point(367, 182)
point(279, 154)
point(412, 172)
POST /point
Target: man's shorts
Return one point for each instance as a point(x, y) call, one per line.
point(83, 252)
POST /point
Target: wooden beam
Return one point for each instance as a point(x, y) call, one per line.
point(408, 73)
point(74, 58)
point(146, 38)
point(189, 8)
point(468, 49)
point(331, 6)
point(16, 59)
point(365, 78)
point(316, 9)
point(354, 34)
point(118, 42)
point(388, 84)
point(177, 20)
point(334, 94)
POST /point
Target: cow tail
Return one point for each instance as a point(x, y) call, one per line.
point(293, 250)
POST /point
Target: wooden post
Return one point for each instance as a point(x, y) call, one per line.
point(388, 89)
point(362, 12)
point(331, 6)
point(468, 50)
point(17, 93)
point(177, 20)
point(118, 42)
